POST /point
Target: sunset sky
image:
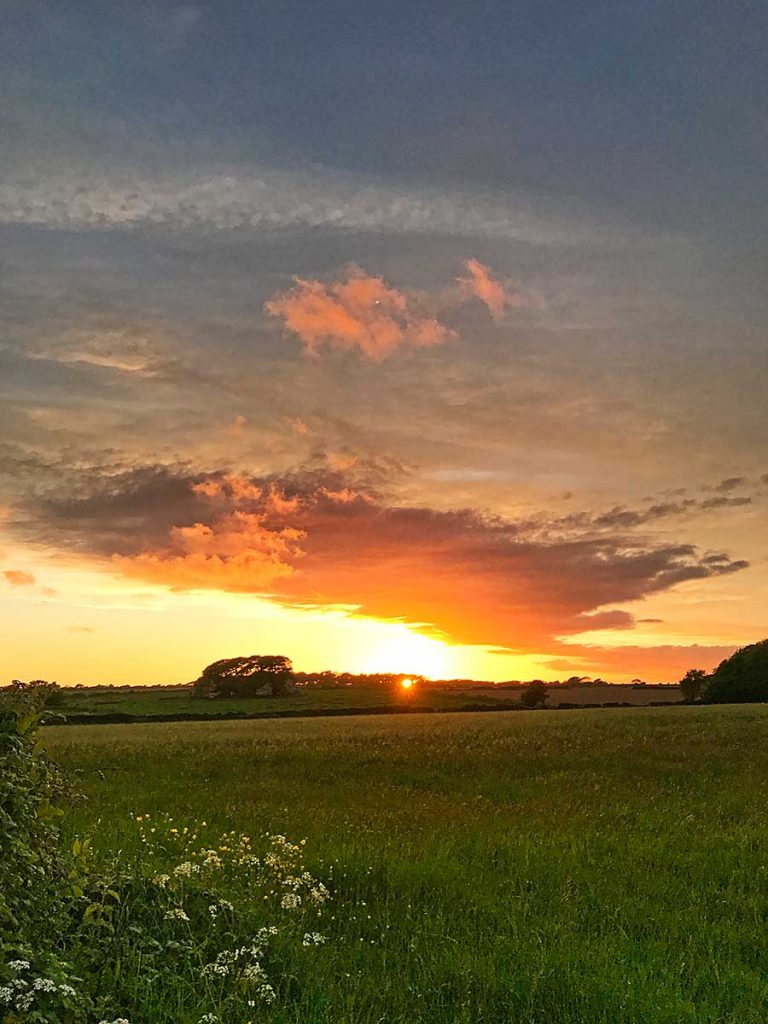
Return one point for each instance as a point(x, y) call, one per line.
point(411, 336)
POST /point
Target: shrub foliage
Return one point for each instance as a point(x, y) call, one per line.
point(740, 679)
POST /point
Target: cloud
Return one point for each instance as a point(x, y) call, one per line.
point(360, 312)
point(237, 552)
point(730, 484)
point(665, 662)
point(82, 197)
point(488, 289)
point(622, 518)
point(316, 538)
point(19, 577)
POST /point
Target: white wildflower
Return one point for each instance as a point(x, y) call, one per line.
point(291, 901)
point(318, 893)
point(313, 939)
point(211, 970)
point(24, 1002)
point(209, 1018)
point(6, 994)
point(44, 985)
point(177, 914)
point(17, 966)
point(212, 860)
point(161, 880)
point(253, 973)
point(66, 990)
point(267, 993)
point(186, 869)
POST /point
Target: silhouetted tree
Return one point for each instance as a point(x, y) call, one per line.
point(691, 684)
point(740, 679)
point(245, 677)
point(535, 694)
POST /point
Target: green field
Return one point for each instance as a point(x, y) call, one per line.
point(550, 867)
point(154, 701)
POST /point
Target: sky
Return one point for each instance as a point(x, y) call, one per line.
point(414, 337)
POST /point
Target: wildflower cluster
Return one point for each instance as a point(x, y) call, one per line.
point(194, 922)
point(39, 987)
point(190, 892)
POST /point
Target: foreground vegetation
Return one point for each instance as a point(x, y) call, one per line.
point(593, 866)
point(178, 925)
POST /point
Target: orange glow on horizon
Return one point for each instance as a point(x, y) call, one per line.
point(406, 683)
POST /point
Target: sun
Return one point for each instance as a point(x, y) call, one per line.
point(403, 650)
point(406, 683)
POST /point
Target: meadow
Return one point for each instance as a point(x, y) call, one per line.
point(579, 867)
point(164, 702)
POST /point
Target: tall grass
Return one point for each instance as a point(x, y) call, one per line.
point(567, 868)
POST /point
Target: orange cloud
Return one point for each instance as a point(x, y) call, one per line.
point(315, 538)
point(361, 313)
point(480, 284)
point(238, 551)
point(19, 578)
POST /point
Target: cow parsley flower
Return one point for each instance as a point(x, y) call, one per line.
point(176, 914)
point(44, 985)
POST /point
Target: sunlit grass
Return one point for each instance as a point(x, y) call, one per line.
point(558, 867)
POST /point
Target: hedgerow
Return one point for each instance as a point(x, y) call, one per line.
point(192, 929)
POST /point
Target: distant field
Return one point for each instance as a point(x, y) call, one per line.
point(155, 701)
point(594, 867)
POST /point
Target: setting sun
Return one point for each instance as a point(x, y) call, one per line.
point(400, 649)
point(406, 683)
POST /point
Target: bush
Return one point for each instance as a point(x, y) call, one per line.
point(32, 791)
point(37, 982)
point(740, 679)
point(692, 684)
point(535, 694)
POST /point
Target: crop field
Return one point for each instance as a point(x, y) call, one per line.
point(540, 867)
point(149, 701)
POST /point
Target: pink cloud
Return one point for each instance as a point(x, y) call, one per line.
point(483, 286)
point(361, 313)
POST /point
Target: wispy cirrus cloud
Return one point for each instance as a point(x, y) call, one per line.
point(75, 197)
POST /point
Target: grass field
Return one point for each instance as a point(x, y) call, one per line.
point(585, 866)
point(155, 701)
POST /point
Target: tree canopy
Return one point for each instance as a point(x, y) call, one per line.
point(245, 676)
point(740, 679)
